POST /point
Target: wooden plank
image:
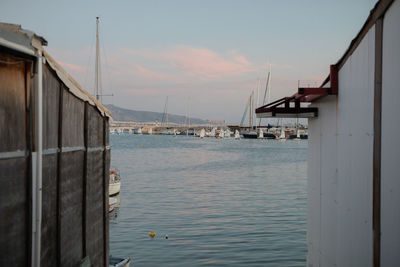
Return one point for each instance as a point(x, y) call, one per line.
point(84, 186)
point(59, 168)
point(106, 175)
point(48, 249)
point(12, 103)
point(376, 212)
point(72, 121)
point(51, 97)
point(13, 203)
point(28, 126)
point(71, 208)
point(95, 127)
point(95, 237)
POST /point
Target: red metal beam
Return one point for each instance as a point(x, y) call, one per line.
point(314, 91)
point(334, 79)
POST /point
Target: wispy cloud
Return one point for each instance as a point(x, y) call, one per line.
point(72, 67)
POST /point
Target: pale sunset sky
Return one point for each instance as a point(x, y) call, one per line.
point(211, 52)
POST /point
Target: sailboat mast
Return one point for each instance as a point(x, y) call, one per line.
point(166, 111)
point(251, 109)
point(96, 78)
point(269, 85)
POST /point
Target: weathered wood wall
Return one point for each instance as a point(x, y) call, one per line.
point(75, 171)
point(14, 163)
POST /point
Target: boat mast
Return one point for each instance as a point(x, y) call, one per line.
point(166, 112)
point(97, 67)
point(164, 120)
point(267, 92)
point(251, 104)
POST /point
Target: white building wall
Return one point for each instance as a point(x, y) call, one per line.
point(322, 183)
point(340, 167)
point(390, 166)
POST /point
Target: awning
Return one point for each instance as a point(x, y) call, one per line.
point(290, 107)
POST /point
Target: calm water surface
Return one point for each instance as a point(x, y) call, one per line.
point(221, 202)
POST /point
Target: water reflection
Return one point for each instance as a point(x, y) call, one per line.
point(221, 202)
point(113, 214)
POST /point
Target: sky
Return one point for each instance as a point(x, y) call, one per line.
point(206, 56)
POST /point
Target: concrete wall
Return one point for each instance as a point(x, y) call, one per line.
point(390, 168)
point(340, 167)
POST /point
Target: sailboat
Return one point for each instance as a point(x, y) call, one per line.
point(237, 134)
point(221, 133)
point(202, 133)
point(114, 178)
point(249, 134)
point(212, 132)
point(282, 137)
point(260, 133)
point(227, 133)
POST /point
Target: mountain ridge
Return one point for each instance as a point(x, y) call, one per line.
point(123, 114)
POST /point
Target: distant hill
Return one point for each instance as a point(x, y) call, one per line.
point(122, 114)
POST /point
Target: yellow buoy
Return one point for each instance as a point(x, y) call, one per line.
point(141, 144)
point(152, 234)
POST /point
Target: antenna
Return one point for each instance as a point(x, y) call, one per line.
point(97, 67)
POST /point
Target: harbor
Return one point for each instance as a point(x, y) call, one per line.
point(220, 207)
point(95, 172)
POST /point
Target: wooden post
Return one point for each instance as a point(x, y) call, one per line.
point(84, 181)
point(106, 175)
point(59, 171)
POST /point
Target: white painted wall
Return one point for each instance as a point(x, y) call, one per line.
point(340, 167)
point(390, 168)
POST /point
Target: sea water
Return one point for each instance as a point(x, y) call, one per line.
point(220, 202)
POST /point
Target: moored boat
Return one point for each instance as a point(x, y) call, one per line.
point(119, 262)
point(112, 201)
point(114, 183)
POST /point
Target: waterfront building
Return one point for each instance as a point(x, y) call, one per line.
point(54, 160)
point(354, 151)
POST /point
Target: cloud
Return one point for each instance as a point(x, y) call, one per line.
point(72, 67)
point(198, 62)
point(207, 63)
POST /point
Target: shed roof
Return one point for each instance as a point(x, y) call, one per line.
point(330, 85)
point(12, 36)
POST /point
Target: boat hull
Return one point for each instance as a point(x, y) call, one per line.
point(250, 135)
point(114, 188)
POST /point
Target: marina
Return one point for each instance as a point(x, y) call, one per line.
point(308, 177)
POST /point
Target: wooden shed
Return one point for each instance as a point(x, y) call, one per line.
point(353, 161)
point(54, 160)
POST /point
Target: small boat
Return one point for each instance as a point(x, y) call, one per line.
point(250, 135)
point(119, 262)
point(212, 132)
point(221, 133)
point(237, 134)
point(282, 137)
point(139, 130)
point(260, 133)
point(202, 133)
point(114, 183)
point(150, 132)
point(269, 136)
point(228, 133)
point(112, 201)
